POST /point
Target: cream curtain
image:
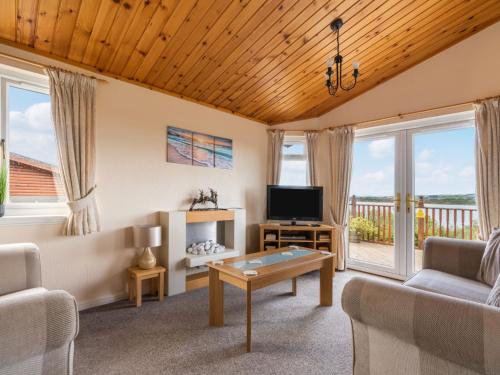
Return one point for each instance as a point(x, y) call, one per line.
point(312, 151)
point(275, 153)
point(341, 140)
point(73, 112)
point(488, 165)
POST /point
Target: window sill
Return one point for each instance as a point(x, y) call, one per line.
point(39, 211)
point(31, 220)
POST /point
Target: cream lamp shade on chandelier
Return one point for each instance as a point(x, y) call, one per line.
point(147, 236)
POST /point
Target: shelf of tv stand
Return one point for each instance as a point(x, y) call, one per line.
point(311, 233)
point(292, 240)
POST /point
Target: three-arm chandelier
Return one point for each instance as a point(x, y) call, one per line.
point(334, 75)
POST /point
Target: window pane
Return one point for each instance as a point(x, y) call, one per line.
point(372, 213)
point(293, 172)
point(444, 166)
point(293, 148)
point(34, 174)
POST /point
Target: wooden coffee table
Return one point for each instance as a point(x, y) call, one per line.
point(271, 266)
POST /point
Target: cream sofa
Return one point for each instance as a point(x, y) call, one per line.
point(37, 327)
point(435, 323)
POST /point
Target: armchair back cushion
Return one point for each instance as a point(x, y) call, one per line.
point(19, 267)
point(490, 263)
point(458, 257)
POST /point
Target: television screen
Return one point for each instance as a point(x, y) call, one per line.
point(295, 203)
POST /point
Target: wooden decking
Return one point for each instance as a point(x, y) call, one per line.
point(377, 253)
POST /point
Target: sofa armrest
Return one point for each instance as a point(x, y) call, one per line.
point(458, 331)
point(458, 257)
point(19, 267)
point(33, 324)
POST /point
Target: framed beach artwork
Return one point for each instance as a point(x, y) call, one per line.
point(204, 150)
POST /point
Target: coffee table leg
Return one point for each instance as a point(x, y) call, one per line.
point(249, 320)
point(216, 299)
point(294, 286)
point(325, 282)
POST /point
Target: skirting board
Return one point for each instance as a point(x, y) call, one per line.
point(84, 305)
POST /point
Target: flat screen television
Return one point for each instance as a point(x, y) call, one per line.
point(294, 203)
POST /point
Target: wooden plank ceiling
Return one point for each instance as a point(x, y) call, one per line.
point(263, 59)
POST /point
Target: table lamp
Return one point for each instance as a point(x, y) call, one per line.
point(147, 236)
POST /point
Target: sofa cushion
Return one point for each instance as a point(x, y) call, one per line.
point(490, 264)
point(450, 285)
point(494, 297)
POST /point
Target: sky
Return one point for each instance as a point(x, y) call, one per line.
point(443, 163)
point(293, 172)
point(31, 132)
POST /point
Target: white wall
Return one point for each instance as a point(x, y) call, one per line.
point(467, 71)
point(135, 182)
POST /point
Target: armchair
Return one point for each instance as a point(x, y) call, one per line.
point(37, 327)
point(436, 323)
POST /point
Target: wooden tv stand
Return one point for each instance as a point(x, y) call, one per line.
point(314, 237)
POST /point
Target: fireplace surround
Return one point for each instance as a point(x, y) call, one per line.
point(187, 271)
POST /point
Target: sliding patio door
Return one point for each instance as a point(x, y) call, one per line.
point(410, 181)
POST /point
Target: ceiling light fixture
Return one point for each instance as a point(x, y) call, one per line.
point(333, 84)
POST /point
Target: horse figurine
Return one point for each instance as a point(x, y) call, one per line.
point(204, 198)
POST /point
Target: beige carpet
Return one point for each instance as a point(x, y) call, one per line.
point(291, 335)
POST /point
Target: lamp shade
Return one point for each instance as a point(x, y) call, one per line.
point(147, 235)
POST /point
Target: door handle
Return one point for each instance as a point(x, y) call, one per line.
point(397, 202)
point(409, 201)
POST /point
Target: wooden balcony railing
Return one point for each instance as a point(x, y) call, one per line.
point(431, 220)
point(381, 215)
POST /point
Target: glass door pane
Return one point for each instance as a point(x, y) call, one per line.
point(441, 191)
point(373, 214)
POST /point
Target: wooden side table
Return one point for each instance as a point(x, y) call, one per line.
point(135, 277)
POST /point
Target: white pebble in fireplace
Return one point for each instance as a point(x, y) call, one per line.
point(205, 248)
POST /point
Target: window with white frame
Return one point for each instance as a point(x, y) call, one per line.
point(34, 183)
point(294, 165)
